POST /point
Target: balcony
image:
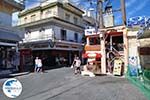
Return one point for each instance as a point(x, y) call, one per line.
point(92, 48)
point(29, 38)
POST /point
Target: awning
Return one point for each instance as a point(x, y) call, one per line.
point(92, 55)
point(8, 35)
point(85, 55)
point(115, 33)
point(143, 34)
point(8, 44)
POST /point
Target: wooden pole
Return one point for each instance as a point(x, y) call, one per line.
point(123, 10)
point(102, 37)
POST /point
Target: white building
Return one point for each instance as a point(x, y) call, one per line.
point(53, 28)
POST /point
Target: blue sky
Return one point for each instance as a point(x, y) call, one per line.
point(133, 7)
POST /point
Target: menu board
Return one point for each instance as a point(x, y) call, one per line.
point(117, 67)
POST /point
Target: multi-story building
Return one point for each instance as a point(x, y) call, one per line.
point(9, 36)
point(110, 41)
point(52, 29)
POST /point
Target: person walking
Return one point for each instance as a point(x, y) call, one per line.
point(39, 69)
point(77, 64)
point(73, 63)
point(36, 64)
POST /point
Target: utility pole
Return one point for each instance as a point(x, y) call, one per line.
point(123, 10)
point(100, 11)
point(102, 37)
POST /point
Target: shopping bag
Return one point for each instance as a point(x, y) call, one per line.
point(71, 66)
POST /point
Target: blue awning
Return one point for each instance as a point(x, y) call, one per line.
point(8, 35)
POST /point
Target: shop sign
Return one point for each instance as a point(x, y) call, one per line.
point(141, 21)
point(117, 67)
point(133, 63)
point(91, 31)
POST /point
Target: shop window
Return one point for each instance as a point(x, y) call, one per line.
point(117, 43)
point(63, 34)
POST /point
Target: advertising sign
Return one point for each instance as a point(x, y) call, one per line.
point(138, 21)
point(117, 67)
point(91, 31)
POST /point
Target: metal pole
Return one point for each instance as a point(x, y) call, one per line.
point(123, 10)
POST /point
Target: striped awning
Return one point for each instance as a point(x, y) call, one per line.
point(91, 55)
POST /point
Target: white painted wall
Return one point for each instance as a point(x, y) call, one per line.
point(48, 33)
point(28, 16)
point(52, 12)
point(70, 34)
point(5, 19)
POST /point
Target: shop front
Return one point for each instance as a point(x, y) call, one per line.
point(61, 54)
point(143, 38)
point(9, 57)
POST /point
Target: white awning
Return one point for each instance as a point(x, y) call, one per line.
point(8, 44)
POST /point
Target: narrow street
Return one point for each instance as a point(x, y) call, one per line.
point(62, 84)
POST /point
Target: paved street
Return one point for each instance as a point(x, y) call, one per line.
point(62, 84)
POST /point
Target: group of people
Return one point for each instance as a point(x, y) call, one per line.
point(86, 70)
point(38, 65)
point(76, 65)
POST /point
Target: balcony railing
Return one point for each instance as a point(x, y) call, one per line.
point(28, 38)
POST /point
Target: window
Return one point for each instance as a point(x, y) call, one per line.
point(67, 17)
point(32, 18)
point(25, 20)
point(47, 13)
point(63, 34)
point(94, 41)
point(75, 20)
point(76, 37)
